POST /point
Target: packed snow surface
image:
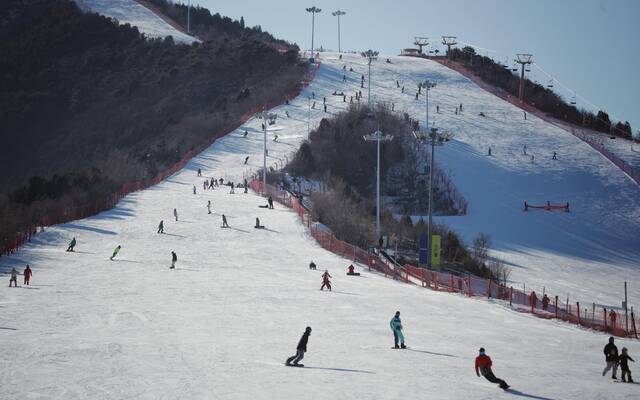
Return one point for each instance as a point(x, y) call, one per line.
point(135, 14)
point(222, 323)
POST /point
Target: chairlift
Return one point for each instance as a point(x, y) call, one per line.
point(550, 84)
point(573, 100)
point(527, 70)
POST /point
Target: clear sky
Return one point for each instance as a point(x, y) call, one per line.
point(590, 46)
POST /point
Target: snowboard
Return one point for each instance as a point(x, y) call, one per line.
point(400, 348)
point(294, 365)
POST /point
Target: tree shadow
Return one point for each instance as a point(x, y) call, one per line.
point(529, 396)
point(174, 234)
point(88, 228)
point(433, 353)
point(360, 371)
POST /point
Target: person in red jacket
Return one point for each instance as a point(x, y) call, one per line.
point(483, 364)
point(325, 280)
point(27, 275)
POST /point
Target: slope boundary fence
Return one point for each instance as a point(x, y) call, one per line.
point(591, 316)
point(63, 214)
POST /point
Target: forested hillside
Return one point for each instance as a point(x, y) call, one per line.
point(87, 104)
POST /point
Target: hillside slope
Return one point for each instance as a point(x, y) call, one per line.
point(222, 323)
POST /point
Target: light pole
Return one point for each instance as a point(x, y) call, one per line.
point(313, 10)
point(263, 115)
point(378, 136)
point(427, 85)
point(338, 13)
point(189, 17)
point(309, 118)
point(370, 55)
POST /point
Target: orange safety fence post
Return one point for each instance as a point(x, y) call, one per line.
point(578, 305)
point(556, 306)
point(606, 329)
point(511, 295)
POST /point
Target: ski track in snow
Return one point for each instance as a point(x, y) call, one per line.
point(221, 324)
point(135, 14)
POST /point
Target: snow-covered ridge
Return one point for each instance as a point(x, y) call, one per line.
point(135, 14)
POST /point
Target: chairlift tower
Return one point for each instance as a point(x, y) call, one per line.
point(421, 42)
point(524, 60)
point(264, 115)
point(378, 136)
point(338, 13)
point(449, 41)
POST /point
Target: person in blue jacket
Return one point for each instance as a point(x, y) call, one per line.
point(396, 327)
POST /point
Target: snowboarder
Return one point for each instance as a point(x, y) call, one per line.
point(199, 172)
point(555, 156)
point(208, 206)
point(224, 221)
point(258, 226)
point(611, 358)
point(460, 107)
point(483, 363)
point(174, 259)
point(325, 280)
point(72, 244)
point(245, 133)
point(402, 89)
point(194, 189)
point(624, 365)
point(161, 226)
point(396, 327)
point(532, 158)
point(398, 84)
point(270, 201)
point(246, 160)
point(351, 272)
point(437, 109)
point(313, 105)
point(545, 302)
point(115, 252)
point(312, 265)
point(524, 149)
point(14, 277)
point(175, 214)
point(300, 350)
point(489, 151)
point(27, 276)
point(232, 189)
point(525, 115)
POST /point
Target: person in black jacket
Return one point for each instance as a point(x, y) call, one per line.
point(624, 365)
point(301, 349)
point(611, 357)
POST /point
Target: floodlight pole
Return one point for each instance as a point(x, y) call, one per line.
point(313, 10)
point(523, 60)
point(264, 152)
point(433, 134)
point(378, 136)
point(427, 85)
point(338, 13)
point(370, 55)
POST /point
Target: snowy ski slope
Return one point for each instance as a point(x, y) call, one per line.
point(222, 323)
point(135, 14)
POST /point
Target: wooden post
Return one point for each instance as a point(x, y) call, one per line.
point(578, 308)
point(511, 295)
point(556, 307)
point(605, 320)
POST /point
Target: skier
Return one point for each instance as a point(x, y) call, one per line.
point(344, 78)
point(161, 226)
point(174, 259)
point(313, 105)
point(325, 108)
point(325, 280)
point(555, 156)
point(545, 302)
point(115, 252)
point(245, 133)
point(624, 365)
point(525, 115)
point(212, 183)
point(524, 150)
point(194, 189)
point(246, 187)
point(208, 206)
point(270, 201)
point(402, 89)
point(533, 300)
point(300, 350)
point(398, 84)
point(611, 357)
point(324, 99)
point(205, 185)
point(312, 265)
point(460, 107)
point(396, 327)
point(344, 98)
point(417, 95)
point(199, 172)
point(14, 277)
point(483, 363)
point(437, 109)
point(532, 158)
point(72, 244)
point(489, 151)
point(246, 160)
point(224, 221)
point(175, 214)
point(258, 226)
point(27, 275)
point(613, 316)
point(232, 189)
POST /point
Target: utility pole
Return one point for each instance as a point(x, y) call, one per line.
point(449, 41)
point(369, 55)
point(420, 42)
point(523, 60)
point(189, 17)
point(626, 309)
point(378, 136)
point(432, 137)
point(338, 13)
point(313, 10)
